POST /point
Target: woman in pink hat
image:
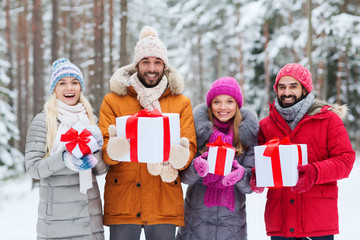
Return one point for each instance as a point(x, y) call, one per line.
point(214, 204)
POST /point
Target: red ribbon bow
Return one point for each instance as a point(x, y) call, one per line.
point(132, 132)
point(73, 137)
point(147, 113)
point(221, 154)
point(272, 150)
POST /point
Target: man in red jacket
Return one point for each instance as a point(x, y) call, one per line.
point(309, 209)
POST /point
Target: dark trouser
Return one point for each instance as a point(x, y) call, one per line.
point(133, 231)
point(328, 237)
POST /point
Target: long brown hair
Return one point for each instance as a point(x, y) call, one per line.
point(237, 120)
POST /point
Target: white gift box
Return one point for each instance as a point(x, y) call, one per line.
point(150, 137)
point(220, 160)
point(288, 161)
point(81, 148)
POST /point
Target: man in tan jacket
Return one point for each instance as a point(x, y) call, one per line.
point(144, 195)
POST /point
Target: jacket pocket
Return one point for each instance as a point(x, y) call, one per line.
point(320, 208)
point(172, 199)
point(119, 193)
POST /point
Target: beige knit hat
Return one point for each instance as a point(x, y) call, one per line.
point(150, 45)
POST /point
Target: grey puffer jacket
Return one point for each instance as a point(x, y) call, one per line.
point(218, 223)
point(64, 212)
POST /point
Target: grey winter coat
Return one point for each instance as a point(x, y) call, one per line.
point(64, 212)
point(218, 223)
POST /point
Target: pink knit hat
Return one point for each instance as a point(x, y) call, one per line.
point(298, 72)
point(150, 45)
point(225, 86)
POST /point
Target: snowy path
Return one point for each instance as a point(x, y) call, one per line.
point(18, 209)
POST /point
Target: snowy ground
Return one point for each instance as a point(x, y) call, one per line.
point(18, 209)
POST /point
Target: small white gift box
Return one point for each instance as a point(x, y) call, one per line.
point(151, 135)
point(79, 141)
point(279, 169)
point(220, 158)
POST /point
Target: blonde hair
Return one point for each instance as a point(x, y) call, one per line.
point(50, 108)
point(237, 120)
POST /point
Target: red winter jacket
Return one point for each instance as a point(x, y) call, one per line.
point(315, 212)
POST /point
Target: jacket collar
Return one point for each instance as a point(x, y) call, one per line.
point(119, 81)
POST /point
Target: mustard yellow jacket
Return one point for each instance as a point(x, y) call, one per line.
point(132, 195)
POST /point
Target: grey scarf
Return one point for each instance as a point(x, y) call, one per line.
point(295, 113)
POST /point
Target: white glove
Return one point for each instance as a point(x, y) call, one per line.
point(117, 147)
point(179, 154)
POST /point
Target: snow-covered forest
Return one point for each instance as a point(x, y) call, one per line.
point(247, 39)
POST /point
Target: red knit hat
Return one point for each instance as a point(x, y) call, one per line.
point(225, 86)
point(298, 72)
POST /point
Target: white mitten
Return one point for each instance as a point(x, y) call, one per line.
point(154, 168)
point(179, 154)
point(117, 147)
point(168, 173)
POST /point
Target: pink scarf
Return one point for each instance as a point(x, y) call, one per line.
point(216, 193)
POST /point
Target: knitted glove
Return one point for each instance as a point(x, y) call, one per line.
point(179, 154)
point(168, 173)
point(307, 177)
point(79, 164)
point(201, 165)
point(235, 175)
point(96, 132)
point(154, 168)
point(253, 183)
point(117, 147)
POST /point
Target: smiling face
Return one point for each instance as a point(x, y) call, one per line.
point(289, 91)
point(150, 71)
point(223, 107)
point(68, 90)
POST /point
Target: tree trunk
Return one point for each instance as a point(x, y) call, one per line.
point(201, 68)
point(54, 30)
point(111, 24)
point(266, 66)
point(27, 100)
point(241, 54)
point(123, 33)
point(309, 43)
point(97, 88)
point(339, 78)
point(38, 92)
point(19, 77)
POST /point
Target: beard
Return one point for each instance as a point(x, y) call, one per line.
point(286, 105)
point(141, 77)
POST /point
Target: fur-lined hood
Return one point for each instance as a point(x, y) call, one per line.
point(248, 128)
point(119, 81)
point(318, 106)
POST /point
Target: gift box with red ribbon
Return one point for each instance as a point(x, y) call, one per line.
point(79, 141)
point(220, 158)
point(151, 134)
point(276, 162)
